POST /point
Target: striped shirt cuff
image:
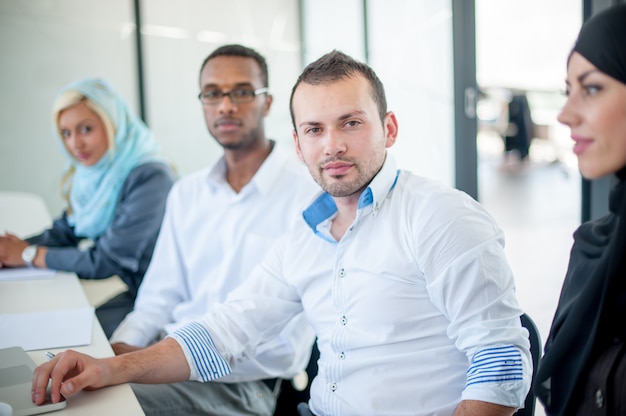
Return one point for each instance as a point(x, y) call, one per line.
point(202, 353)
point(496, 365)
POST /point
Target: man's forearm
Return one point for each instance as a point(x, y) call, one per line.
point(163, 362)
point(120, 348)
point(478, 408)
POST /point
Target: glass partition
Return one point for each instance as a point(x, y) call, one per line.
point(410, 47)
point(177, 37)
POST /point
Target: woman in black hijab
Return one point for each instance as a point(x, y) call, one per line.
point(583, 370)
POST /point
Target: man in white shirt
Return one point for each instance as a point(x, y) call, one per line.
point(218, 224)
point(404, 280)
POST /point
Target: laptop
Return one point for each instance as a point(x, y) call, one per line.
point(16, 375)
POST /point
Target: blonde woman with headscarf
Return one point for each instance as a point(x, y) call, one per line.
point(115, 185)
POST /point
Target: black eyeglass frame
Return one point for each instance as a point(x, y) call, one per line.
point(234, 99)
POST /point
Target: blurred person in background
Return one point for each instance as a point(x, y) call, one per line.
point(583, 369)
point(115, 187)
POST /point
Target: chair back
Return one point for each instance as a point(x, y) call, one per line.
point(535, 351)
point(294, 393)
point(23, 214)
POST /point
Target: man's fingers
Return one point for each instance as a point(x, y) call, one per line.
point(41, 377)
point(68, 375)
point(63, 373)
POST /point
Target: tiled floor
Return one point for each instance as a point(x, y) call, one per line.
point(538, 207)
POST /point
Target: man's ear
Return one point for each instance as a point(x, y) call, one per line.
point(269, 99)
point(391, 129)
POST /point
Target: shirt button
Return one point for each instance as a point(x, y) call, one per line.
point(599, 398)
point(343, 320)
point(342, 355)
point(342, 273)
point(333, 387)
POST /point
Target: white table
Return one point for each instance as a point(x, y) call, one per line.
point(23, 215)
point(64, 290)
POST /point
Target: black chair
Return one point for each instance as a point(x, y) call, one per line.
point(290, 396)
point(535, 351)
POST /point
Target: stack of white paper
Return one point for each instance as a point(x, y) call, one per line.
point(47, 329)
point(19, 273)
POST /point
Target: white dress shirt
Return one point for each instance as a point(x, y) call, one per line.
point(210, 240)
point(414, 308)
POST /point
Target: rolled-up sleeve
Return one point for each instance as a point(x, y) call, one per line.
point(204, 359)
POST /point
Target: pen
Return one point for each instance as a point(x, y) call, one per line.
point(49, 355)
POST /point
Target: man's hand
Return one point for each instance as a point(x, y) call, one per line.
point(70, 372)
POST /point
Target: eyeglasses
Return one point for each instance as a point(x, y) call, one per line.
point(237, 96)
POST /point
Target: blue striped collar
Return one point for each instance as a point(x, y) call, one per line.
point(324, 207)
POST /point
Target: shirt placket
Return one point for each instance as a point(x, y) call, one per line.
point(340, 337)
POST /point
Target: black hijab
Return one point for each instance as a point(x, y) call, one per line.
point(595, 284)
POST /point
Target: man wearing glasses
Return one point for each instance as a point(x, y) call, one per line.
point(218, 224)
point(243, 95)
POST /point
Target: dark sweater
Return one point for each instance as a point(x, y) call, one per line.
point(125, 249)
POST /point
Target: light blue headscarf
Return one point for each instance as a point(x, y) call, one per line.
point(95, 189)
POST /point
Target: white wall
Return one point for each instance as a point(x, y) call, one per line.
point(411, 49)
point(177, 38)
point(45, 45)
